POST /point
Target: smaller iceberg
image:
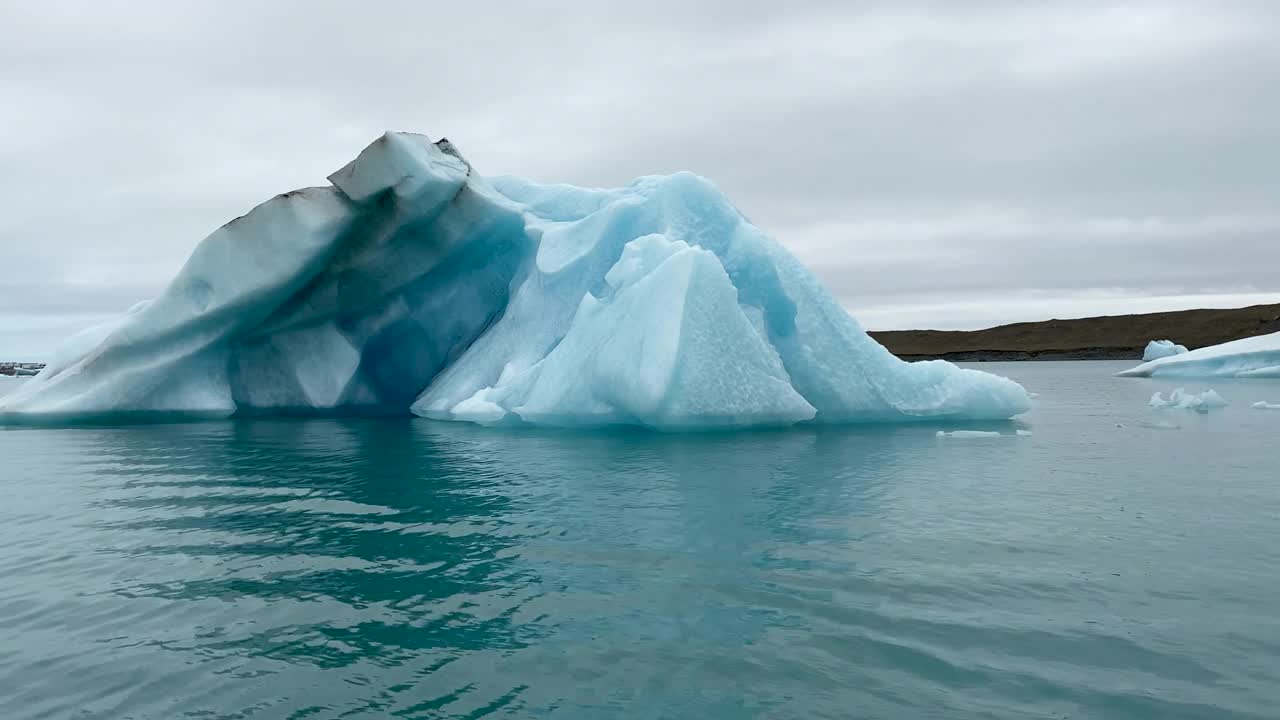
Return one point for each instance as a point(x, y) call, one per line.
point(1157, 349)
point(1263, 405)
point(1255, 357)
point(1180, 399)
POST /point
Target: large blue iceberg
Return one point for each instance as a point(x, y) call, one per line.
point(413, 284)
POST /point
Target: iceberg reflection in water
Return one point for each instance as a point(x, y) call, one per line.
point(408, 567)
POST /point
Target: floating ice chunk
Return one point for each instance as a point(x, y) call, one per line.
point(1255, 357)
point(1180, 399)
point(412, 284)
point(1162, 348)
point(1265, 406)
point(973, 434)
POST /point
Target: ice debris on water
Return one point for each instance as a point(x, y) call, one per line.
point(969, 434)
point(1180, 399)
point(1157, 349)
point(1265, 406)
point(413, 284)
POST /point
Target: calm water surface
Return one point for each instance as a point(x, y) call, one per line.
point(1120, 562)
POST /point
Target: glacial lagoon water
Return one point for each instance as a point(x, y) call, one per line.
point(1118, 562)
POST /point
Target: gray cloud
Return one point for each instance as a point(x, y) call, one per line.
point(937, 163)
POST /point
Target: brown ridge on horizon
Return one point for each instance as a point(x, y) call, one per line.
point(1102, 338)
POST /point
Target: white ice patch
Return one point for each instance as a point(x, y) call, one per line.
point(1157, 349)
point(977, 434)
point(477, 409)
point(1180, 399)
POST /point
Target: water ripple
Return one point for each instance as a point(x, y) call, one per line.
point(394, 568)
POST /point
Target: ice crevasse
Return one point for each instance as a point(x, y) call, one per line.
point(413, 284)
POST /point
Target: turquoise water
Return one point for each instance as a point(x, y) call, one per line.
point(406, 568)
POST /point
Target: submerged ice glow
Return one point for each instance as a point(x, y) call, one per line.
point(413, 284)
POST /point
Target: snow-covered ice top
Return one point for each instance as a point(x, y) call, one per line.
point(1255, 357)
point(414, 284)
point(1162, 348)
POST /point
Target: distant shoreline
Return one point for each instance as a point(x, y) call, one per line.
point(1110, 337)
point(1026, 356)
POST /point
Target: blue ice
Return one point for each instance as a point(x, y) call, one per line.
point(413, 284)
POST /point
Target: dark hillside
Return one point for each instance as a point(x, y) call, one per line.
point(1108, 337)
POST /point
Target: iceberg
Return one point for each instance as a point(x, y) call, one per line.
point(1157, 349)
point(1180, 399)
point(1255, 357)
point(413, 284)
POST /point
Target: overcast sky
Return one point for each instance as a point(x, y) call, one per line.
point(939, 164)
